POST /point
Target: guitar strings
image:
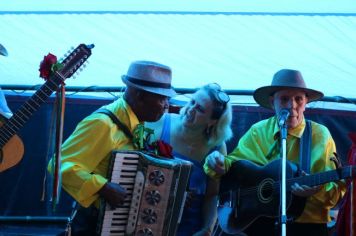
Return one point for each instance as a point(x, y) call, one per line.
point(276, 185)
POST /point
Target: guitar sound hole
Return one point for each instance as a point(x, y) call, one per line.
point(265, 191)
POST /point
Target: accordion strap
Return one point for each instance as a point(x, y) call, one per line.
point(114, 119)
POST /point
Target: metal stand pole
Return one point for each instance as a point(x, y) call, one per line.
point(283, 215)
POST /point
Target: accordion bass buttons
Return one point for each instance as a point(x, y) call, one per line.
point(153, 197)
point(156, 177)
point(149, 216)
point(145, 232)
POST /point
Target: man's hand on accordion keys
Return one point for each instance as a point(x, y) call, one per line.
point(113, 194)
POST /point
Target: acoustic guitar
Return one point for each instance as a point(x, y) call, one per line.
point(256, 193)
point(11, 146)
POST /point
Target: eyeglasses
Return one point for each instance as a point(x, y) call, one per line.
point(221, 96)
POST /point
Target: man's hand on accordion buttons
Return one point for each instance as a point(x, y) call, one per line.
point(113, 194)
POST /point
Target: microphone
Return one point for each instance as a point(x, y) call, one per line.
point(283, 116)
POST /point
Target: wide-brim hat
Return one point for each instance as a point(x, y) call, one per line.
point(3, 50)
point(284, 79)
point(151, 77)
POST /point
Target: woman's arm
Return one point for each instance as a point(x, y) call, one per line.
point(209, 211)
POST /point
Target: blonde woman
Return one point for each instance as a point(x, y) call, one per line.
point(202, 126)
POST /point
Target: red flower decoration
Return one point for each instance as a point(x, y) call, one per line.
point(46, 65)
point(162, 148)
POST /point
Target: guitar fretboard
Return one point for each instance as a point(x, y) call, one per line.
point(322, 178)
point(28, 108)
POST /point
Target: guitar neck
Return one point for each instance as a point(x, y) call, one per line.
point(324, 177)
point(68, 67)
point(23, 114)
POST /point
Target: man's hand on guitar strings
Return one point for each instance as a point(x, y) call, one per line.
point(216, 162)
point(304, 190)
point(113, 194)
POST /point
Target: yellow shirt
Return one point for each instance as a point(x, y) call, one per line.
point(85, 155)
point(257, 143)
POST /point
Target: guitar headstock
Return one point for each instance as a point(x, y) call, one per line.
point(75, 60)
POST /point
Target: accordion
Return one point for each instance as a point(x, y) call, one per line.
point(156, 191)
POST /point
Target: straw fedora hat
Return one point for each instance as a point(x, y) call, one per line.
point(150, 76)
point(284, 79)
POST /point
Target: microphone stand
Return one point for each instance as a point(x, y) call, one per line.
point(283, 215)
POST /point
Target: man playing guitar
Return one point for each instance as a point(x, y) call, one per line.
point(260, 145)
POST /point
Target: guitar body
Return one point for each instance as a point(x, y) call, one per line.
point(11, 153)
point(256, 196)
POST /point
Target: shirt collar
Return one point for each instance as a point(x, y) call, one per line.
point(133, 120)
point(296, 132)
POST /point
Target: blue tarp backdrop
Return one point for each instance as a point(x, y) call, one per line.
point(23, 191)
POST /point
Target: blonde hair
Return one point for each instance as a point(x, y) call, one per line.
point(221, 131)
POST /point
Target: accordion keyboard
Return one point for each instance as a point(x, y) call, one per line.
point(123, 173)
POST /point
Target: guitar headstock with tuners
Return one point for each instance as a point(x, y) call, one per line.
point(54, 73)
point(50, 68)
point(75, 60)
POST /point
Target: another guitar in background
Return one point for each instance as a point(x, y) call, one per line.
point(256, 192)
point(11, 146)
